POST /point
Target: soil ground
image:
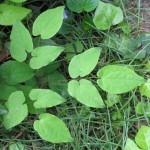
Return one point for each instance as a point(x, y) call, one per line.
point(144, 10)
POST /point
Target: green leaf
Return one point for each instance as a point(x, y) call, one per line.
point(72, 49)
point(45, 98)
point(58, 83)
point(82, 64)
point(44, 71)
point(142, 138)
point(42, 56)
point(130, 145)
point(9, 14)
point(86, 93)
point(48, 23)
point(118, 79)
point(6, 90)
point(14, 72)
point(21, 42)
point(107, 15)
point(140, 108)
point(17, 110)
point(18, 1)
point(145, 89)
point(17, 146)
point(3, 110)
point(143, 108)
point(52, 129)
point(82, 5)
point(125, 26)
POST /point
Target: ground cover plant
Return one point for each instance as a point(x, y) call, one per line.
point(73, 75)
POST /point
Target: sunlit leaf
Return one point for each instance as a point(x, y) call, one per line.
point(142, 138)
point(86, 93)
point(52, 129)
point(118, 79)
point(82, 64)
point(9, 14)
point(45, 98)
point(21, 42)
point(42, 56)
point(48, 23)
point(17, 110)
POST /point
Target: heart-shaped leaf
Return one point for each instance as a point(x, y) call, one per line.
point(86, 93)
point(107, 15)
point(21, 42)
point(82, 64)
point(118, 79)
point(42, 56)
point(14, 72)
point(17, 110)
point(45, 98)
point(48, 23)
point(82, 5)
point(9, 14)
point(52, 129)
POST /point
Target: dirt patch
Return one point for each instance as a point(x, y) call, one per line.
point(144, 9)
point(145, 14)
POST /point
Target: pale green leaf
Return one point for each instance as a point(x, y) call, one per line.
point(130, 145)
point(14, 72)
point(17, 110)
point(107, 15)
point(82, 64)
point(52, 129)
point(118, 79)
point(21, 42)
point(145, 89)
point(9, 14)
point(142, 138)
point(48, 23)
point(45, 98)
point(82, 5)
point(86, 93)
point(42, 56)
